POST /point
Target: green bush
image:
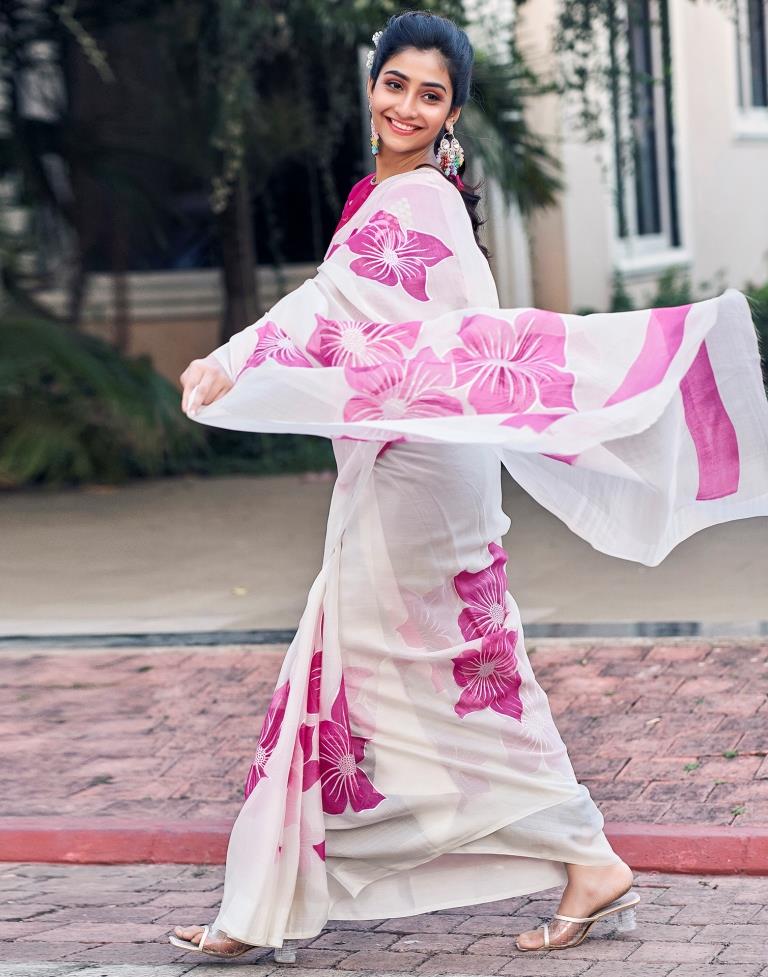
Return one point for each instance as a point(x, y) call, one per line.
point(672, 288)
point(758, 300)
point(73, 410)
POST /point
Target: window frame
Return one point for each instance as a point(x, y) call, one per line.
point(751, 120)
point(635, 250)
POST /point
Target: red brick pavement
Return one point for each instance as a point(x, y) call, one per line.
point(663, 732)
point(106, 921)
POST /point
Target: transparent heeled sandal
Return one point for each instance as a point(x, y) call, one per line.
point(624, 919)
point(283, 954)
point(287, 952)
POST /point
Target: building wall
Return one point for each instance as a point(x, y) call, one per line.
point(174, 315)
point(726, 169)
point(721, 164)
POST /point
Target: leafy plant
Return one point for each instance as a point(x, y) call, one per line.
point(758, 300)
point(73, 410)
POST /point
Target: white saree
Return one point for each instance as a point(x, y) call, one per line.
point(409, 760)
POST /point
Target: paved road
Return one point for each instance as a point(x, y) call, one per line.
point(665, 732)
point(193, 554)
point(99, 921)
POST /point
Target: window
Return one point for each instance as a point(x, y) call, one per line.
point(752, 54)
point(644, 153)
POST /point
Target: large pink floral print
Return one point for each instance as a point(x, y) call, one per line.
point(511, 365)
point(393, 256)
point(485, 594)
point(392, 391)
point(350, 342)
point(313, 684)
point(489, 677)
point(343, 783)
point(270, 731)
point(273, 343)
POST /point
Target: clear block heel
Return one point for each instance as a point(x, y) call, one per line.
point(626, 920)
point(287, 952)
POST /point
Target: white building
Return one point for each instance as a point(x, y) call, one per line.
point(697, 197)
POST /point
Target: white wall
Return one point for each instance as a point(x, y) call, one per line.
point(722, 167)
point(725, 180)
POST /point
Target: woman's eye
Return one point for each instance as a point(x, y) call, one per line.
point(432, 96)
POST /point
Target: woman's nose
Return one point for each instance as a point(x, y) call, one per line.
point(408, 106)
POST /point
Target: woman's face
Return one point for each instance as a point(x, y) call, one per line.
point(413, 88)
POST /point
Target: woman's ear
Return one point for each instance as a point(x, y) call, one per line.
point(453, 117)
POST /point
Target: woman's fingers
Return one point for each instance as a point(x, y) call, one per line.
point(206, 381)
point(189, 380)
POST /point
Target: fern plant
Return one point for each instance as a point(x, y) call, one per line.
point(73, 410)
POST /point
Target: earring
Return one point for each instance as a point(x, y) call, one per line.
point(451, 154)
point(374, 135)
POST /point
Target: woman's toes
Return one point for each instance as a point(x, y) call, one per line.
point(531, 940)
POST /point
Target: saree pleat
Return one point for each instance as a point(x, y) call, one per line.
point(409, 760)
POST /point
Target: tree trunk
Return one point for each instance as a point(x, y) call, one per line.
point(119, 263)
point(76, 284)
point(238, 261)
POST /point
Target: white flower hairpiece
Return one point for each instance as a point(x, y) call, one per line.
point(371, 54)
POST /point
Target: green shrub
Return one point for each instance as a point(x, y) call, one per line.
point(673, 288)
point(73, 410)
point(758, 300)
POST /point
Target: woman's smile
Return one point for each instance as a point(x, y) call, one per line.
point(401, 128)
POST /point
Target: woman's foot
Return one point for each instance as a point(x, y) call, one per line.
point(589, 888)
point(216, 943)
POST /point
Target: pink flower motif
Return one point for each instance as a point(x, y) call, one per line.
point(270, 731)
point(273, 343)
point(351, 342)
point(510, 365)
point(486, 594)
point(430, 624)
point(320, 849)
point(489, 677)
point(311, 770)
point(392, 391)
point(393, 256)
point(313, 685)
point(343, 783)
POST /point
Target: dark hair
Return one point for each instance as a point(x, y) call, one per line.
point(423, 30)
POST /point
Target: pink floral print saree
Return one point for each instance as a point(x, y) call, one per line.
point(409, 760)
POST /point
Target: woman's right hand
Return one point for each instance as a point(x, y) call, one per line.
point(211, 381)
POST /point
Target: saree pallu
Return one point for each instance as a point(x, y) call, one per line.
point(409, 760)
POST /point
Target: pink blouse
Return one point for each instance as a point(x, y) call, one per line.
point(357, 195)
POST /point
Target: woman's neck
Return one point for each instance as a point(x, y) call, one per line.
point(394, 163)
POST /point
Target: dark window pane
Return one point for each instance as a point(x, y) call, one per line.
point(644, 121)
point(757, 52)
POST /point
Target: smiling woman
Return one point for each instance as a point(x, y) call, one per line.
point(409, 760)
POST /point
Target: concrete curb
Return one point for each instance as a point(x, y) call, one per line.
point(698, 849)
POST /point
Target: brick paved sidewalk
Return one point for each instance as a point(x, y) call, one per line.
point(114, 921)
point(659, 732)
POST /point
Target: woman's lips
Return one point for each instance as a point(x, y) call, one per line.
point(401, 132)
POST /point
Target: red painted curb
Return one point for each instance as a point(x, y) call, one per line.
point(698, 849)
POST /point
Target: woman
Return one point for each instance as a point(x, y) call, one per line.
point(409, 761)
